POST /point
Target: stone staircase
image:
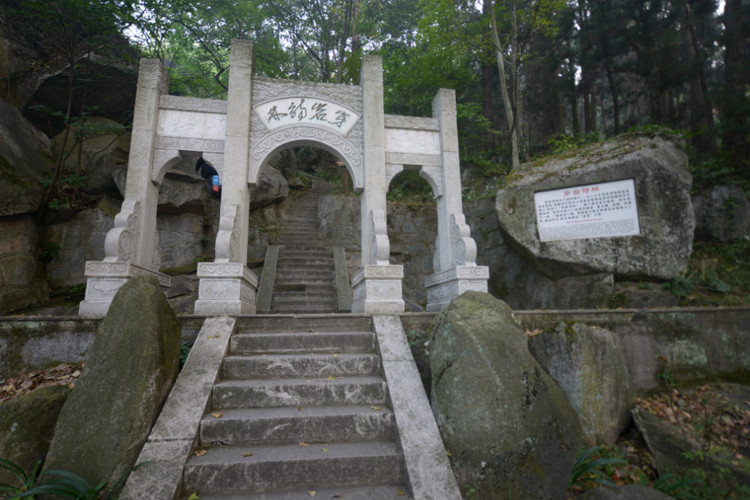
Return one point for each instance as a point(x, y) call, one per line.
point(305, 272)
point(301, 408)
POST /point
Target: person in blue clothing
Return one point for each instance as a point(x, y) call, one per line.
point(208, 172)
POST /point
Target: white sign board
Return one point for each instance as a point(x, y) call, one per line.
point(307, 111)
point(593, 211)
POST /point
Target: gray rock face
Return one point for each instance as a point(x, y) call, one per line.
point(130, 369)
point(79, 239)
point(26, 425)
point(95, 148)
point(25, 159)
point(665, 211)
point(22, 280)
point(509, 428)
point(722, 213)
point(589, 366)
point(272, 187)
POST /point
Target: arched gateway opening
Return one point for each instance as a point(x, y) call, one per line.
point(260, 117)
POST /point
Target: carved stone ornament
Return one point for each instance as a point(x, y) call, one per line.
point(342, 146)
point(464, 246)
point(121, 241)
point(434, 177)
point(381, 246)
point(225, 239)
point(156, 252)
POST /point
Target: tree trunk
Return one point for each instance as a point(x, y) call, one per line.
point(613, 93)
point(735, 101)
point(509, 111)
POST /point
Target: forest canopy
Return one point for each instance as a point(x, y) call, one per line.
point(531, 76)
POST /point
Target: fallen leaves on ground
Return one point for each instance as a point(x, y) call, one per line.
point(707, 413)
point(24, 383)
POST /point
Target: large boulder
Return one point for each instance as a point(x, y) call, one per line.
point(588, 363)
point(509, 428)
point(272, 187)
point(129, 372)
point(22, 280)
point(722, 213)
point(25, 160)
point(665, 213)
point(26, 424)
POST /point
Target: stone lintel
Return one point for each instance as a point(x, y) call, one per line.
point(197, 104)
point(412, 122)
point(429, 160)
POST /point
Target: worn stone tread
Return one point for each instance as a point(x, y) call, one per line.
point(292, 425)
point(224, 469)
point(299, 392)
point(303, 342)
point(375, 492)
point(303, 365)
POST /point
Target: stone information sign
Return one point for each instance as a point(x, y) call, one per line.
point(592, 211)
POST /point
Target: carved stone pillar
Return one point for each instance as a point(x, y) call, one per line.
point(376, 287)
point(131, 247)
point(227, 286)
point(455, 250)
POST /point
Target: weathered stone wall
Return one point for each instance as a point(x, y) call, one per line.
point(21, 275)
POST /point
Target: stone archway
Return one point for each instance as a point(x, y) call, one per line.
point(262, 116)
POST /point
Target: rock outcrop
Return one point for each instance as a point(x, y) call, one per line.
point(129, 371)
point(662, 190)
point(26, 424)
point(25, 160)
point(22, 280)
point(509, 428)
point(722, 213)
point(588, 363)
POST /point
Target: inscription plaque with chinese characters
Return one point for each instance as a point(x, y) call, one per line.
point(307, 111)
point(600, 210)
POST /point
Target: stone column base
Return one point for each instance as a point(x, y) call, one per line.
point(226, 289)
point(377, 290)
point(103, 281)
point(445, 286)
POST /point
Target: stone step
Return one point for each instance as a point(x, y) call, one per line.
point(304, 299)
point(237, 469)
point(304, 274)
point(321, 342)
point(316, 424)
point(302, 365)
point(307, 258)
point(304, 306)
point(372, 492)
point(298, 392)
point(310, 323)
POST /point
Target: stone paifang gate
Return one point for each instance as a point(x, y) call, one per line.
point(261, 117)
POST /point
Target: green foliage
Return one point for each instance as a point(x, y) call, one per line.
point(59, 483)
point(26, 481)
point(718, 273)
point(677, 486)
point(410, 189)
point(594, 465)
point(184, 351)
point(50, 252)
point(681, 286)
